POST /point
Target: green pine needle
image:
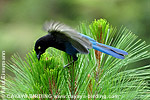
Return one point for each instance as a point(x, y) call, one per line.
point(95, 74)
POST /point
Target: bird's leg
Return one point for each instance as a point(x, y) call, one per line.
point(74, 59)
point(69, 64)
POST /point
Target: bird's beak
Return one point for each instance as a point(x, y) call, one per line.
point(38, 56)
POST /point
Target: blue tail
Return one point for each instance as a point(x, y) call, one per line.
point(117, 53)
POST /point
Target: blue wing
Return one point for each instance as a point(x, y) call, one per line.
point(106, 49)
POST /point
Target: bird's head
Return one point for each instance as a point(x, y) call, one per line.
point(40, 47)
point(42, 44)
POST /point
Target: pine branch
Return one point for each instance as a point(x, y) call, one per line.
point(94, 74)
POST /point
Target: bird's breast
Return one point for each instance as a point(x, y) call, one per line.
point(65, 46)
point(70, 49)
point(60, 46)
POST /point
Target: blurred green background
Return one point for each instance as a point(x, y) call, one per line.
point(21, 20)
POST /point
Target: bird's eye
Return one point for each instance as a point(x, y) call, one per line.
point(39, 47)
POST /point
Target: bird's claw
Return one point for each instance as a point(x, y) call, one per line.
point(66, 65)
point(69, 64)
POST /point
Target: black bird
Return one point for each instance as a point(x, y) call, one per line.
point(64, 38)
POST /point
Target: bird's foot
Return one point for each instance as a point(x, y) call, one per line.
point(66, 66)
point(69, 64)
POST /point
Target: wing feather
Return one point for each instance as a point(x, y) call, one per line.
point(81, 43)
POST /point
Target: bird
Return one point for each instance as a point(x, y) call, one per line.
point(67, 39)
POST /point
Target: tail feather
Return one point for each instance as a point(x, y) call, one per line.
point(109, 50)
point(114, 49)
point(106, 49)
